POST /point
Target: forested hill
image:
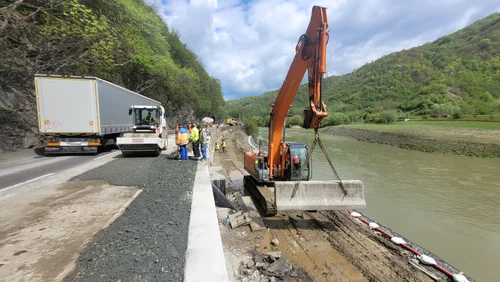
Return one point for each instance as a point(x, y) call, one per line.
point(122, 41)
point(456, 74)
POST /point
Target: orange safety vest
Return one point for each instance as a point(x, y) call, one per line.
point(182, 138)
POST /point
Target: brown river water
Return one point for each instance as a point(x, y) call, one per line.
point(447, 204)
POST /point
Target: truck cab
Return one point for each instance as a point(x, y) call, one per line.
point(147, 118)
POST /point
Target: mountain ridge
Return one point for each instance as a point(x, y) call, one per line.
point(455, 74)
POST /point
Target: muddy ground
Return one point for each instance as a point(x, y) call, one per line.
point(315, 246)
point(417, 143)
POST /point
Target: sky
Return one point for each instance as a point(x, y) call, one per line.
point(249, 45)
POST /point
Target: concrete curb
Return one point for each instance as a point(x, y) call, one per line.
point(205, 259)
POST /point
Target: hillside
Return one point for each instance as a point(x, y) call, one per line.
point(457, 74)
point(122, 41)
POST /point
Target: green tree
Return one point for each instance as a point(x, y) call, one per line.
point(251, 127)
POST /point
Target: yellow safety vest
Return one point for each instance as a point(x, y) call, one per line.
point(195, 134)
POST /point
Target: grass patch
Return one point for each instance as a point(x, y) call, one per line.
point(469, 131)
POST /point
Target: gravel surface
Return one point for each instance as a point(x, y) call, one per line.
point(149, 240)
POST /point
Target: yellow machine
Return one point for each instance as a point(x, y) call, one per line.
point(230, 121)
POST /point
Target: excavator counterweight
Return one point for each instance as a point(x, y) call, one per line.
point(279, 178)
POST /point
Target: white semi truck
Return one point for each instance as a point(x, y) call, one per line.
point(80, 114)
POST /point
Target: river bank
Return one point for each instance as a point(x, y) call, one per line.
point(463, 142)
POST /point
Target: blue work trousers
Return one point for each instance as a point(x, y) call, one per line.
point(205, 151)
point(184, 152)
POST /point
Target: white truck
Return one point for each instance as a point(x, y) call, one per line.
point(80, 114)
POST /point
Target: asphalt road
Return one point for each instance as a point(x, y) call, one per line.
point(29, 169)
point(24, 167)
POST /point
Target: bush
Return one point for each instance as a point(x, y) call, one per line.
point(295, 120)
point(252, 127)
point(388, 117)
point(457, 115)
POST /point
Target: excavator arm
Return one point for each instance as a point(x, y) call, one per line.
point(310, 56)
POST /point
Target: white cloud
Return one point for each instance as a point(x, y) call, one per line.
point(249, 45)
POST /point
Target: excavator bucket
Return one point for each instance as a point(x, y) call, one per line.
point(320, 195)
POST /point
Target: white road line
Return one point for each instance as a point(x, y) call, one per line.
point(107, 155)
point(26, 182)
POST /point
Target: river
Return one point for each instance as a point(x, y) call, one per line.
point(445, 203)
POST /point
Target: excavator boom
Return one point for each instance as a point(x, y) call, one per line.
point(310, 55)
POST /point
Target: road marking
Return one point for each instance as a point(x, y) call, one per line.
point(26, 182)
point(107, 155)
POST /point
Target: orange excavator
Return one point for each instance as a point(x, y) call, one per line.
point(280, 178)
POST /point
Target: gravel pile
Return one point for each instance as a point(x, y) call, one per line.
point(270, 267)
point(148, 241)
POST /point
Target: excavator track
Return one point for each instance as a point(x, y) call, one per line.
point(263, 194)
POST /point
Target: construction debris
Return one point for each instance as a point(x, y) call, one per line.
point(238, 219)
point(270, 267)
point(275, 241)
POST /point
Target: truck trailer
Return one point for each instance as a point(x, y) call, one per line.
point(79, 114)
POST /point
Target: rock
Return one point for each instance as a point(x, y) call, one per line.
point(275, 241)
point(264, 265)
point(250, 264)
point(272, 256)
point(279, 268)
point(255, 276)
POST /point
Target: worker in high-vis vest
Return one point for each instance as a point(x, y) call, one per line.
point(223, 146)
point(182, 139)
point(195, 140)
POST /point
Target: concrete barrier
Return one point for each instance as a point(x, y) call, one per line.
point(205, 259)
point(320, 195)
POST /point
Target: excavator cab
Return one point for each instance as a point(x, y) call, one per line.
point(295, 158)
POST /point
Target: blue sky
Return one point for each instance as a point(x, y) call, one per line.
point(249, 45)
